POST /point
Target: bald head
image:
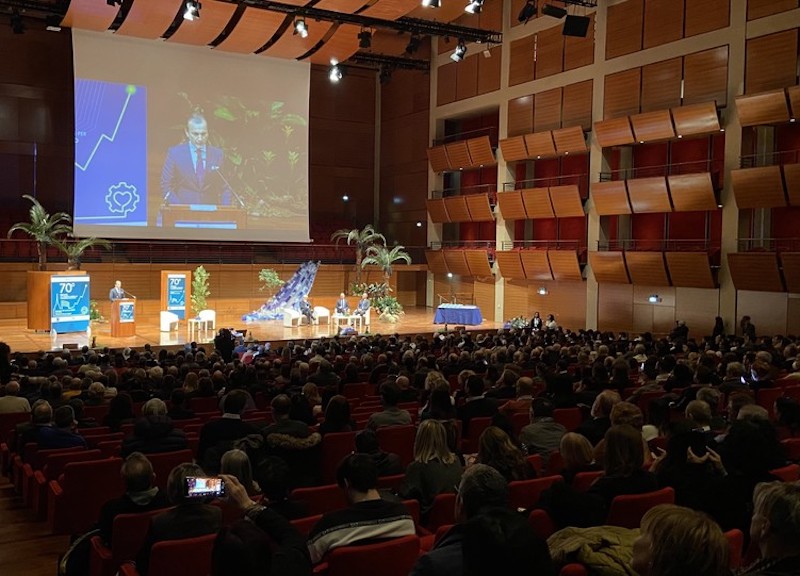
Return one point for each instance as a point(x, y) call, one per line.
point(12, 388)
point(137, 473)
point(42, 412)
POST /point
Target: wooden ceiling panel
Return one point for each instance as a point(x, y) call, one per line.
point(566, 201)
point(457, 209)
point(794, 100)
point(447, 12)
point(649, 195)
point(91, 15)
point(791, 176)
point(791, 271)
point(437, 156)
point(458, 154)
point(691, 192)
point(537, 203)
point(514, 149)
point(616, 132)
point(511, 205)
point(610, 198)
point(342, 44)
point(456, 262)
point(695, 119)
point(690, 269)
point(390, 9)
point(149, 18)
point(509, 264)
point(652, 126)
point(756, 271)
point(344, 6)
point(480, 151)
point(536, 264)
point(647, 268)
point(293, 46)
point(479, 208)
point(763, 108)
point(569, 140)
point(760, 187)
point(253, 30)
point(564, 264)
point(609, 267)
point(437, 210)
point(540, 144)
point(478, 263)
point(436, 263)
point(203, 31)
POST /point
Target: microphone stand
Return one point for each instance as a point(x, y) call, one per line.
point(216, 170)
point(129, 294)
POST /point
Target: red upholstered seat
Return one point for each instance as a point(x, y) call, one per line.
point(627, 510)
point(335, 447)
point(320, 499)
point(37, 462)
point(583, 480)
point(524, 494)
point(395, 557)
point(304, 525)
point(355, 390)
point(442, 512)
point(398, 440)
point(735, 540)
point(570, 418)
point(790, 473)
point(52, 469)
point(469, 445)
point(164, 462)
point(537, 463)
point(792, 446)
point(188, 557)
point(391, 483)
point(542, 524)
point(127, 537)
point(574, 569)
point(207, 404)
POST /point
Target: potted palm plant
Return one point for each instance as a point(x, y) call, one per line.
point(362, 240)
point(385, 258)
point(74, 248)
point(45, 228)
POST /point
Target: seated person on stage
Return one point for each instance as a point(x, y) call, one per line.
point(363, 305)
point(116, 293)
point(306, 309)
point(342, 307)
point(192, 170)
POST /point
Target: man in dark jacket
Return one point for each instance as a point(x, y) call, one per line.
point(154, 432)
point(62, 434)
point(388, 464)
point(217, 436)
point(477, 405)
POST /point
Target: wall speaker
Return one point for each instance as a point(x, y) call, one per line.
point(576, 26)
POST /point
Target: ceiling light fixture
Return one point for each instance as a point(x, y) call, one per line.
point(364, 39)
point(413, 44)
point(300, 27)
point(335, 74)
point(114, 2)
point(192, 11)
point(528, 11)
point(459, 52)
point(474, 7)
point(554, 11)
point(431, 3)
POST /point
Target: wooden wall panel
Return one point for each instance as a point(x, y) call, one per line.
point(793, 92)
point(566, 201)
point(437, 210)
point(457, 209)
point(513, 149)
point(564, 264)
point(764, 108)
point(649, 195)
point(690, 269)
point(652, 126)
point(760, 8)
point(483, 296)
point(663, 22)
point(537, 203)
point(609, 267)
point(757, 271)
point(549, 52)
point(547, 110)
point(760, 187)
point(706, 76)
point(458, 154)
point(657, 318)
point(610, 198)
point(480, 151)
point(690, 192)
point(622, 92)
point(437, 156)
point(456, 262)
point(489, 71)
point(564, 300)
point(479, 208)
point(695, 119)
point(520, 115)
point(661, 84)
point(522, 65)
point(536, 264)
point(446, 287)
point(446, 84)
point(577, 105)
point(467, 77)
point(625, 28)
point(706, 15)
point(647, 268)
point(509, 264)
point(615, 307)
point(515, 299)
point(579, 52)
point(698, 308)
point(511, 205)
point(478, 262)
point(569, 140)
point(772, 310)
point(771, 62)
point(791, 176)
point(615, 132)
point(540, 144)
point(791, 271)
point(436, 262)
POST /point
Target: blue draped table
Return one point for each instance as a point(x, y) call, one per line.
point(458, 314)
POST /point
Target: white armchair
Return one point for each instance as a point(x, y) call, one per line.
point(322, 315)
point(291, 318)
point(209, 317)
point(169, 321)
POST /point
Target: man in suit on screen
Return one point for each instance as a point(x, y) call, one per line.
point(192, 170)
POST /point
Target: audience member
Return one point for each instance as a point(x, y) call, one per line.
point(524, 397)
point(62, 434)
point(577, 456)
point(543, 435)
point(217, 436)
point(154, 431)
point(498, 451)
point(775, 530)
point(337, 416)
point(388, 464)
point(595, 428)
point(11, 402)
point(391, 415)
point(477, 405)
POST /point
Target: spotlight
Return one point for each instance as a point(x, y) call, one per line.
point(449, 274)
point(554, 11)
point(474, 7)
point(528, 11)
point(53, 22)
point(413, 44)
point(300, 28)
point(459, 52)
point(334, 75)
point(542, 291)
point(192, 10)
point(17, 23)
point(345, 198)
point(114, 2)
point(419, 224)
point(364, 39)
point(654, 299)
point(431, 3)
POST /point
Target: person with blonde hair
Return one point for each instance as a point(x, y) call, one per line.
point(674, 541)
point(496, 449)
point(435, 469)
point(775, 529)
point(237, 463)
point(577, 456)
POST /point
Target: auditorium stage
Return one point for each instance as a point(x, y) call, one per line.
point(417, 320)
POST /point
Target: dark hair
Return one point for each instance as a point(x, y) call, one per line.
point(542, 407)
point(281, 405)
point(64, 416)
point(337, 414)
point(242, 549)
point(440, 406)
point(359, 472)
point(624, 453)
point(367, 441)
point(120, 408)
point(274, 477)
point(235, 401)
point(482, 486)
point(178, 397)
point(390, 394)
point(475, 385)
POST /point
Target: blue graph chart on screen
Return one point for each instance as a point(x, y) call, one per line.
point(110, 153)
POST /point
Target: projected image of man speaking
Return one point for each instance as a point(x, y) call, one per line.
point(192, 172)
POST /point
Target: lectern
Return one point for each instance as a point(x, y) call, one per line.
point(123, 318)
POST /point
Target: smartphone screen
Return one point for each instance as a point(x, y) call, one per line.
point(200, 487)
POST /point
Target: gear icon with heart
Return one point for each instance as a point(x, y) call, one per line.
point(122, 198)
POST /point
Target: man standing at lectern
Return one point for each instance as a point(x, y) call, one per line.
point(116, 293)
point(192, 170)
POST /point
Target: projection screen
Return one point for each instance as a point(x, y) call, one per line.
point(181, 142)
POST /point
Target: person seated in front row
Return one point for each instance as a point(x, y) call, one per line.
point(306, 310)
point(363, 305)
point(342, 307)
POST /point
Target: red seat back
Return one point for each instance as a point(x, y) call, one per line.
point(39, 458)
point(96, 412)
point(55, 462)
point(442, 512)
point(94, 440)
point(555, 464)
point(391, 483)
point(519, 420)
point(128, 534)
point(627, 510)
point(86, 432)
point(357, 390)
point(569, 418)
point(188, 557)
point(541, 522)
point(164, 462)
point(207, 404)
point(790, 473)
point(320, 499)
point(335, 447)
point(413, 508)
point(766, 397)
point(469, 445)
point(735, 540)
point(792, 446)
point(9, 421)
point(525, 494)
point(304, 525)
point(396, 557)
point(398, 440)
point(584, 480)
point(85, 486)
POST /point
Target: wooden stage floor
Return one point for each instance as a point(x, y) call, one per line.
point(417, 320)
